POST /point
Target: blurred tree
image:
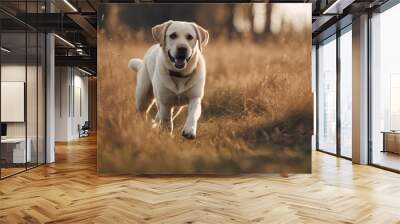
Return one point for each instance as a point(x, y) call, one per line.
point(212, 19)
point(268, 18)
point(229, 21)
point(233, 20)
point(261, 17)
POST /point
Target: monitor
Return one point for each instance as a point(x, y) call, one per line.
point(3, 129)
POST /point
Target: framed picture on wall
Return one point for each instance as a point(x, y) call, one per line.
point(204, 88)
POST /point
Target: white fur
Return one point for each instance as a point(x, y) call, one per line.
point(135, 64)
point(155, 82)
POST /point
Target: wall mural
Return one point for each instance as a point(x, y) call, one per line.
point(204, 88)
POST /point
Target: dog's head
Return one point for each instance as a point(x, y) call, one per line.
point(180, 41)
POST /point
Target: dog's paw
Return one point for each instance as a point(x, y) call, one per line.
point(189, 133)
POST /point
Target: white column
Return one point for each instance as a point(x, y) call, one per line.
point(360, 90)
point(50, 110)
point(50, 92)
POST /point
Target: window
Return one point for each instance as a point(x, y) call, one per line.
point(327, 96)
point(394, 102)
point(346, 93)
point(385, 89)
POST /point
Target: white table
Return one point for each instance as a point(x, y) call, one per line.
point(18, 149)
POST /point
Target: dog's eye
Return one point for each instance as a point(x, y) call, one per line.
point(189, 37)
point(173, 36)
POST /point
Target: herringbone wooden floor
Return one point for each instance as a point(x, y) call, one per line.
point(70, 191)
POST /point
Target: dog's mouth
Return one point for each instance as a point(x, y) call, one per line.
point(179, 62)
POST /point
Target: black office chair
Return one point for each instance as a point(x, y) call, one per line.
point(84, 130)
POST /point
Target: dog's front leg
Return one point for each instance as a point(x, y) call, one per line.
point(194, 112)
point(164, 116)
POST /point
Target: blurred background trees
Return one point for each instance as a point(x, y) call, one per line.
point(256, 21)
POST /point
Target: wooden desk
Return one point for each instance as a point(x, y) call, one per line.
point(391, 141)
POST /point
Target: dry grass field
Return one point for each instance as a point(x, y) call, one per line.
point(257, 113)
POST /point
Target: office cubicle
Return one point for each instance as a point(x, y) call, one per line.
point(22, 95)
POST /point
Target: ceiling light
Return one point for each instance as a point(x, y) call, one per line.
point(84, 71)
point(80, 51)
point(65, 41)
point(5, 50)
point(333, 6)
point(70, 5)
point(337, 7)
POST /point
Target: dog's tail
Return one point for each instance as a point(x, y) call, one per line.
point(135, 64)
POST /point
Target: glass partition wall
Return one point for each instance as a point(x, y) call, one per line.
point(334, 86)
point(13, 90)
point(22, 98)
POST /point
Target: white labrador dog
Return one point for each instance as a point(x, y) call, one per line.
point(173, 74)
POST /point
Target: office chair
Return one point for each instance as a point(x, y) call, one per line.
point(84, 130)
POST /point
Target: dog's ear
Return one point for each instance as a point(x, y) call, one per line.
point(202, 36)
point(158, 32)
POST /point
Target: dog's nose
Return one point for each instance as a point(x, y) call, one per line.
point(182, 51)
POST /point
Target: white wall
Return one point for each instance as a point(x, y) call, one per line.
point(71, 93)
point(62, 81)
point(16, 73)
point(80, 85)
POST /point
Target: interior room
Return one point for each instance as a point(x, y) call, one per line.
point(197, 112)
point(22, 100)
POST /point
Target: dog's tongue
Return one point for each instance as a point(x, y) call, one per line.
point(180, 63)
